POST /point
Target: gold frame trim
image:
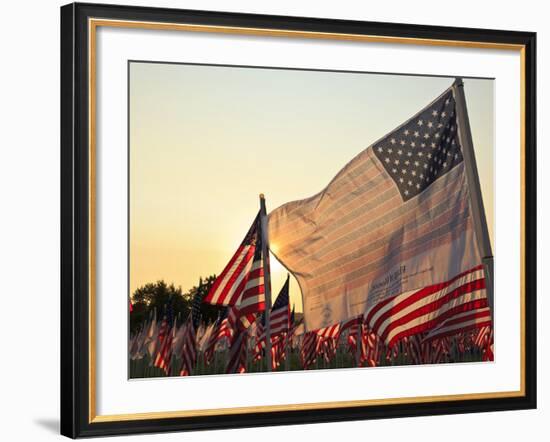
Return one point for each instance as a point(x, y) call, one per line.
point(93, 24)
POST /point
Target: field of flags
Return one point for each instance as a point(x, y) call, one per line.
point(160, 350)
point(392, 258)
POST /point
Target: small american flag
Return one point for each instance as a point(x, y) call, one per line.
point(237, 352)
point(163, 359)
point(189, 349)
point(279, 319)
point(241, 282)
point(308, 352)
point(280, 311)
point(488, 347)
point(220, 331)
point(332, 331)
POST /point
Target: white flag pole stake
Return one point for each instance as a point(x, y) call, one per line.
point(267, 280)
point(478, 212)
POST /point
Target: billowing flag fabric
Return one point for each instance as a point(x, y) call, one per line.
point(242, 280)
point(391, 236)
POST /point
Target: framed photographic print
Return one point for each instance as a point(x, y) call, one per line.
point(275, 220)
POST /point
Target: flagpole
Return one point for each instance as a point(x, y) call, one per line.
point(289, 326)
point(267, 280)
point(478, 213)
point(358, 342)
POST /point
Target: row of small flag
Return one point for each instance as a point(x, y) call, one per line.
point(165, 343)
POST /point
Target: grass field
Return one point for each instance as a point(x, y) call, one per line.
point(142, 368)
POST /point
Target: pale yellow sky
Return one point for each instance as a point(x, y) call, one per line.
point(206, 140)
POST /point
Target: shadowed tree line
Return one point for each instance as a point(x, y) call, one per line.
point(163, 297)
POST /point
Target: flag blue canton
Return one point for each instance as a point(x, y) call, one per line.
point(282, 298)
point(281, 301)
point(423, 149)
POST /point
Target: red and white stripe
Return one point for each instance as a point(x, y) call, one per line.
point(351, 323)
point(481, 334)
point(225, 330)
point(451, 304)
point(189, 349)
point(371, 348)
point(469, 320)
point(160, 338)
point(237, 353)
point(228, 287)
point(488, 347)
point(332, 331)
point(253, 298)
point(241, 283)
point(280, 320)
point(163, 359)
point(308, 352)
point(279, 327)
point(233, 281)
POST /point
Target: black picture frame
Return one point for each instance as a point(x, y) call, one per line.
point(76, 417)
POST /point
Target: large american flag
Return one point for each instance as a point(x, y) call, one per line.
point(391, 236)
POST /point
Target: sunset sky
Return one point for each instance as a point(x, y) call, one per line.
point(205, 141)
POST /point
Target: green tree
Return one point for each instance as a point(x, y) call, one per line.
point(159, 296)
